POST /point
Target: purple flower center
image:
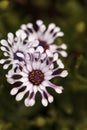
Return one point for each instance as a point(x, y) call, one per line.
point(43, 44)
point(17, 57)
point(36, 77)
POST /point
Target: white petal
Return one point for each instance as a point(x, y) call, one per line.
point(38, 65)
point(45, 83)
point(48, 73)
point(59, 89)
point(44, 102)
point(63, 46)
point(51, 66)
point(64, 73)
point(42, 87)
point(31, 50)
point(36, 55)
point(3, 48)
point(34, 65)
point(10, 73)
point(48, 77)
point(49, 53)
point(31, 102)
point(14, 91)
point(19, 54)
point(29, 25)
point(60, 34)
point(39, 22)
point(35, 43)
point(53, 48)
point(35, 88)
point(32, 37)
point(20, 96)
point(23, 26)
point(6, 66)
point(21, 34)
point(26, 102)
point(29, 67)
point(2, 61)
point(44, 68)
point(24, 79)
point(10, 80)
point(50, 98)
point(29, 86)
point(6, 54)
point(59, 62)
point(10, 37)
point(23, 74)
point(57, 29)
point(25, 70)
point(41, 30)
point(51, 26)
point(63, 53)
point(4, 42)
point(40, 49)
point(55, 57)
point(43, 56)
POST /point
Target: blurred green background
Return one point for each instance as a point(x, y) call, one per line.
point(69, 110)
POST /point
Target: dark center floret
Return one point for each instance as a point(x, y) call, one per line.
point(36, 77)
point(43, 44)
point(17, 57)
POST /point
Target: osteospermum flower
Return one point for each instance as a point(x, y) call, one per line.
point(46, 38)
point(35, 77)
point(14, 48)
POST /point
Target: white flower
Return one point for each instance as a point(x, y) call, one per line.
point(35, 77)
point(15, 49)
point(46, 37)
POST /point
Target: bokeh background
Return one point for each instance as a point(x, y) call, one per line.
point(69, 110)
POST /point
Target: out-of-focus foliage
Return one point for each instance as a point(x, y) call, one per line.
point(69, 110)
